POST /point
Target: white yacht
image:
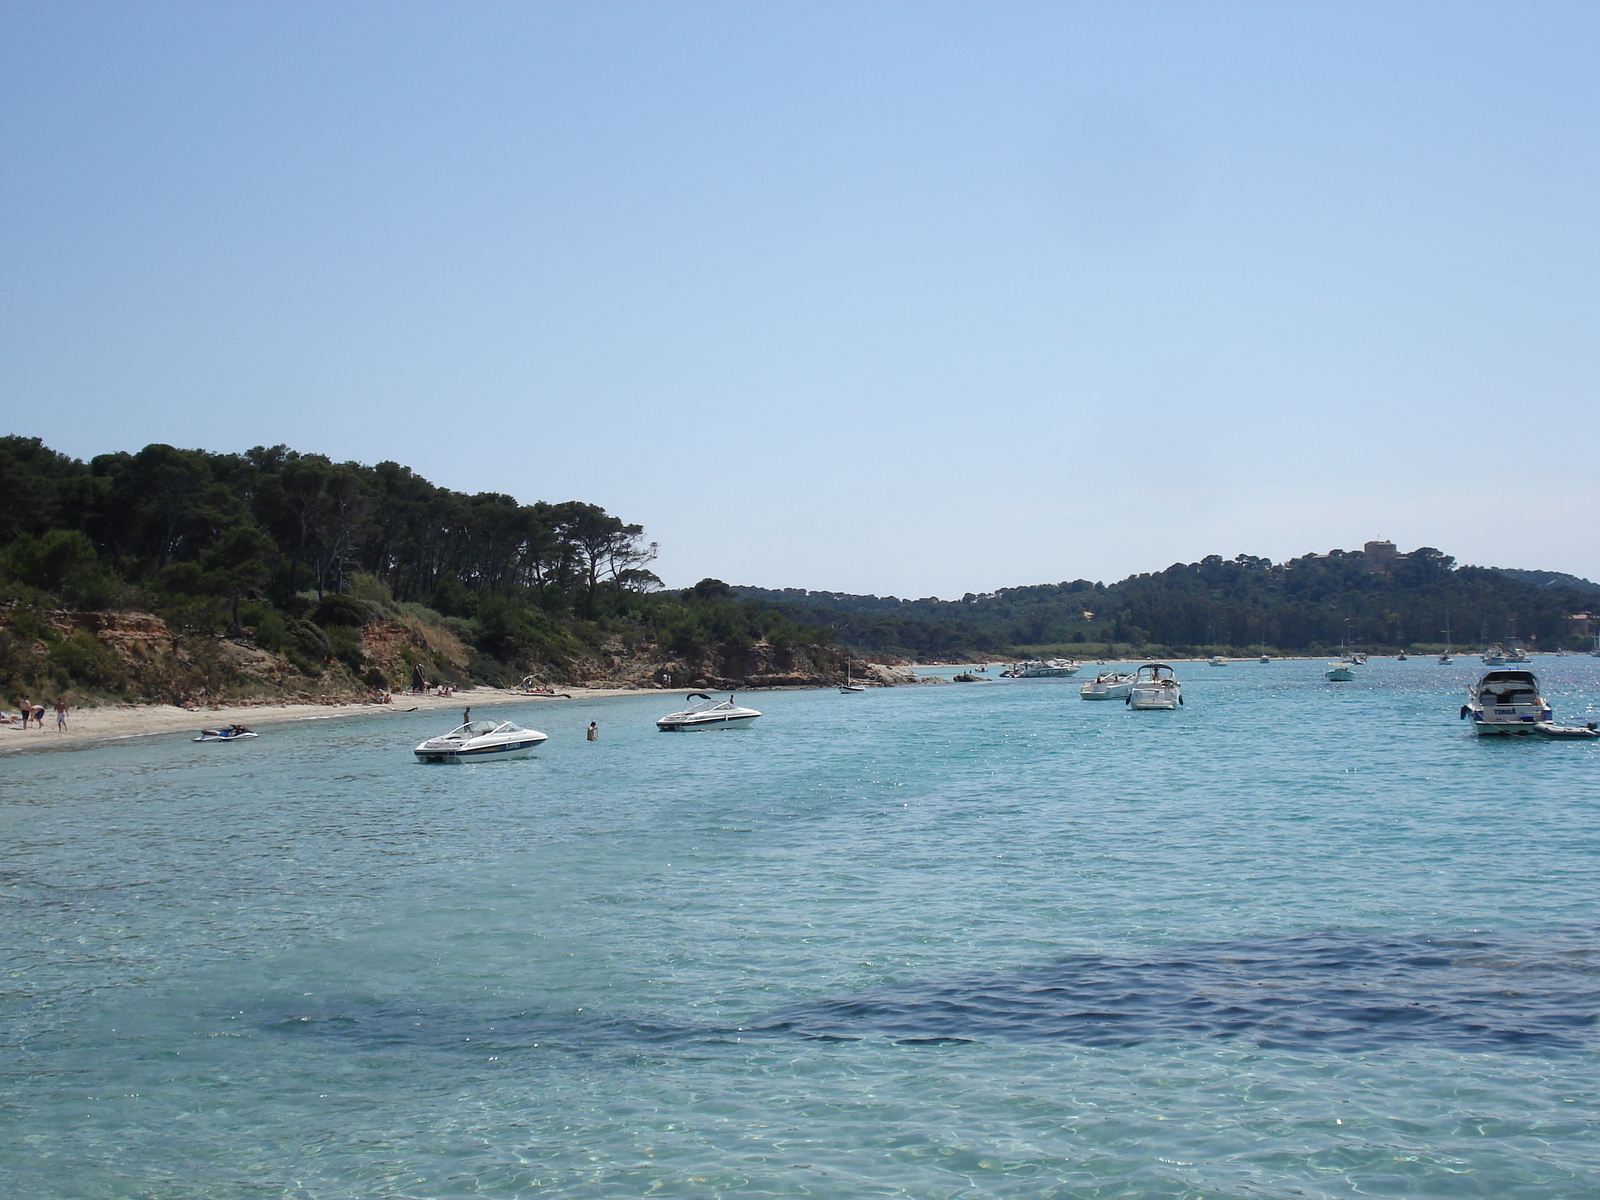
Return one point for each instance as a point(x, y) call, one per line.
point(1154, 690)
point(1506, 702)
point(1108, 685)
point(1338, 672)
point(1054, 668)
point(480, 741)
point(709, 715)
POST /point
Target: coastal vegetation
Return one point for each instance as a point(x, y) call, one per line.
point(351, 575)
point(186, 574)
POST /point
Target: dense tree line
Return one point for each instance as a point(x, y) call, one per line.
point(257, 543)
point(1308, 604)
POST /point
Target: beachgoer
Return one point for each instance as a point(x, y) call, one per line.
point(594, 731)
point(26, 709)
point(61, 716)
point(38, 717)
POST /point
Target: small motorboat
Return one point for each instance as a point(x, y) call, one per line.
point(1551, 730)
point(1264, 659)
point(233, 733)
point(709, 715)
point(1401, 657)
point(1153, 690)
point(1108, 685)
point(480, 741)
point(1216, 660)
point(1516, 654)
point(1506, 702)
point(1494, 656)
point(1338, 672)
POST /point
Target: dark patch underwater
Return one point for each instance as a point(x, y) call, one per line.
point(1333, 991)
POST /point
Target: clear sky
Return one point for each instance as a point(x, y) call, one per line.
point(913, 298)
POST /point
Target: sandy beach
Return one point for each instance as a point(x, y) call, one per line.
point(114, 721)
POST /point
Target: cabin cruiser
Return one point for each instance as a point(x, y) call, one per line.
point(1152, 689)
point(480, 741)
point(1506, 702)
point(1108, 685)
point(231, 733)
point(1338, 672)
point(1055, 668)
point(1516, 654)
point(1494, 656)
point(1216, 660)
point(709, 715)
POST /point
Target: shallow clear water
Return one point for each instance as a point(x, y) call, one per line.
point(1297, 939)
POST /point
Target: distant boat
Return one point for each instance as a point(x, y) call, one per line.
point(1055, 668)
point(1494, 656)
point(847, 687)
point(1338, 672)
point(1216, 660)
point(1445, 657)
point(1264, 658)
point(1108, 685)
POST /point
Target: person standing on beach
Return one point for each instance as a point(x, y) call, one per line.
point(594, 731)
point(61, 716)
point(26, 709)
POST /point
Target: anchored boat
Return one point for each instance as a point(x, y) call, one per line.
point(1506, 702)
point(1054, 668)
point(1108, 685)
point(1153, 690)
point(480, 741)
point(710, 715)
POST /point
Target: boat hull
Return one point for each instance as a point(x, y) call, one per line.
point(1105, 691)
point(1154, 699)
point(1507, 725)
point(689, 726)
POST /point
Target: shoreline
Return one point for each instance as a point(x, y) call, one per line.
point(116, 722)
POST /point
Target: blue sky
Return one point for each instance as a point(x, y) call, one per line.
point(917, 298)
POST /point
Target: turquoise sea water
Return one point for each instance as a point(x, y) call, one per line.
point(1298, 939)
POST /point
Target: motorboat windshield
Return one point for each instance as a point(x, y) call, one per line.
point(1152, 673)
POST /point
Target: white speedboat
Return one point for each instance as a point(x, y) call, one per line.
point(1054, 668)
point(1338, 672)
point(1516, 654)
point(233, 733)
point(1153, 690)
point(1506, 702)
point(709, 715)
point(480, 741)
point(1216, 660)
point(1108, 685)
point(1264, 659)
point(1494, 656)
